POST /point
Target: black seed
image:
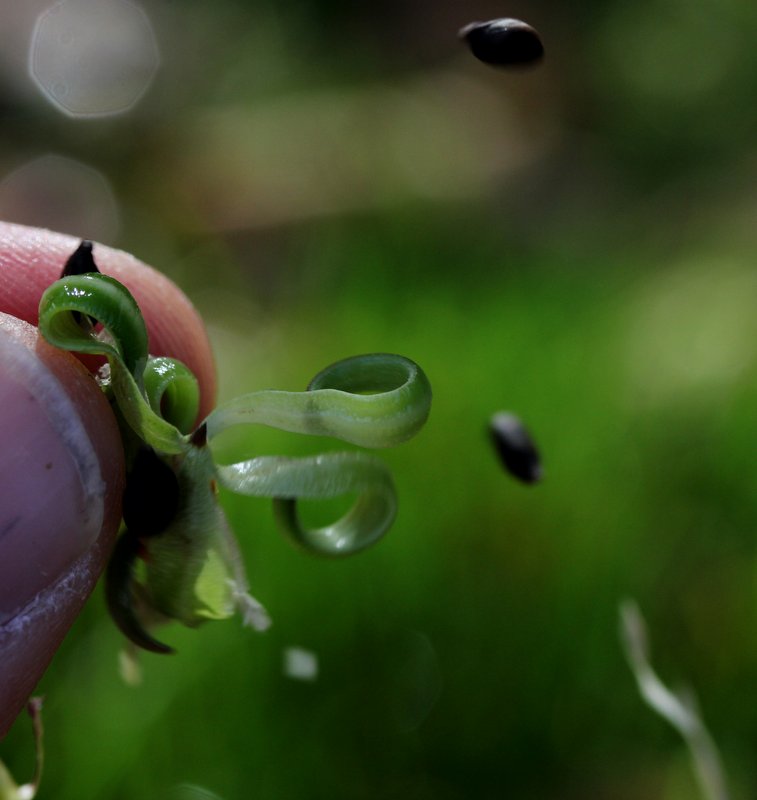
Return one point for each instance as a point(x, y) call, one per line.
point(503, 42)
point(151, 496)
point(515, 447)
point(200, 436)
point(80, 261)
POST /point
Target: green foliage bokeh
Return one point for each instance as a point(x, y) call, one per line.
point(602, 287)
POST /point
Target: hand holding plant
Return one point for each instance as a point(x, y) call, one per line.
point(192, 570)
point(49, 566)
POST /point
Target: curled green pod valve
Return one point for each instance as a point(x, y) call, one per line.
point(176, 558)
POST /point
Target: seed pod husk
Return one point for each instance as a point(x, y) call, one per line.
point(120, 594)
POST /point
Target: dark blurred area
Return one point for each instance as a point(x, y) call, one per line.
point(572, 242)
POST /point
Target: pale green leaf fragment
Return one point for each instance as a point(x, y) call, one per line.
point(8, 787)
point(9, 790)
point(678, 708)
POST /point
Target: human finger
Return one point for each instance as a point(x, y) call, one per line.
point(61, 482)
point(31, 259)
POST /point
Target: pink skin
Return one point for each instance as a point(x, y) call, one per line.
point(61, 465)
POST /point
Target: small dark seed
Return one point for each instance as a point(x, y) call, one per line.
point(151, 497)
point(503, 42)
point(80, 261)
point(200, 437)
point(515, 447)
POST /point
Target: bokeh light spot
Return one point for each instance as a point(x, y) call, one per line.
point(63, 195)
point(93, 58)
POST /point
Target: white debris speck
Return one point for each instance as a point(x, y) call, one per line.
point(300, 664)
point(129, 667)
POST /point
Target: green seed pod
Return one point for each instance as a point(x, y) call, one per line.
point(192, 570)
point(190, 566)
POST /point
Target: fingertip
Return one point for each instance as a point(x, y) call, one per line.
point(61, 482)
point(174, 326)
point(31, 259)
point(45, 581)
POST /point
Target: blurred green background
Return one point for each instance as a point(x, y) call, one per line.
point(574, 243)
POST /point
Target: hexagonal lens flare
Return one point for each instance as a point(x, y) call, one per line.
point(93, 58)
point(55, 192)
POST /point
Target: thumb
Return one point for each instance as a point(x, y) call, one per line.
point(58, 522)
point(61, 481)
point(32, 259)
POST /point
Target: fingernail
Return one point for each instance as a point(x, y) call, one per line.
point(51, 487)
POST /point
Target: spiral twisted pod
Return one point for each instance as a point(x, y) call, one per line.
point(194, 571)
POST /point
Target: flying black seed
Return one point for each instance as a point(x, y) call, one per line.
point(151, 496)
point(80, 261)
point(515, 447)
point(503, 42)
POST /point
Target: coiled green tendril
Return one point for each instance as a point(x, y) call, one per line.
point(193, 569)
